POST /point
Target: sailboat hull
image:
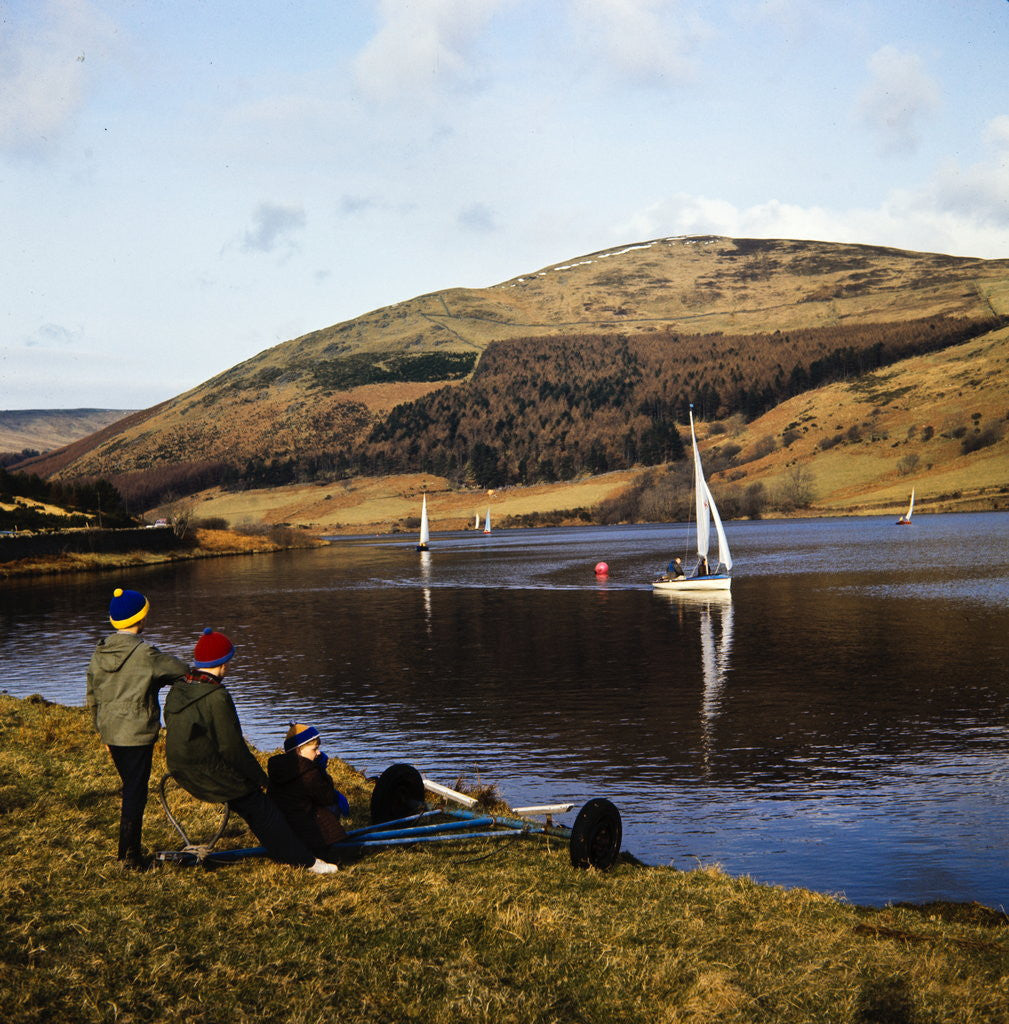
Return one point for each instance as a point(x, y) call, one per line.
point(694, 583)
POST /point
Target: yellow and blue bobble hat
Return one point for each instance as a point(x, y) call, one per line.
point(127, 608)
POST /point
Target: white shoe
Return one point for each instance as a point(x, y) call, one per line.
point(323, 867)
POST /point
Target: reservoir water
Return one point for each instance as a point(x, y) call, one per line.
point(841, 722)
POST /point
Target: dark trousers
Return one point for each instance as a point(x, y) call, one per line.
point(134, 767)
point(271, 828)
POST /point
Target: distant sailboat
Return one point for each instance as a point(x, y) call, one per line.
point(905, 520)
point(425, 533)
point(476, 522)
point(486, 522)
point(706, 511)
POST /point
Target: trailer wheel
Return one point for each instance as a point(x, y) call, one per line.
point(398, 793)
point(596, 835)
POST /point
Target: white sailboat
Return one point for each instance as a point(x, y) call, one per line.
point(905, 520)
point(706, 512)
point(476, 522)
point(425, 533)
point(486, 522)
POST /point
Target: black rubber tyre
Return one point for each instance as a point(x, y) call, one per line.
point(596, 835)
point(398, 793)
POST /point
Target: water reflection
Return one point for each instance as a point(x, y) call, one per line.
point(850, 693)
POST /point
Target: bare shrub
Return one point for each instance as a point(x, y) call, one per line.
point(797, 490)
point(908, 464)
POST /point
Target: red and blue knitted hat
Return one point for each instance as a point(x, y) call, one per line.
point(212, 649)
point(127, 608)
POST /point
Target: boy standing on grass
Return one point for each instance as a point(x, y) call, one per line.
point(123, 680)
point(209, 758)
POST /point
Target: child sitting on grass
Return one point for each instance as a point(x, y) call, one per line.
point(301, 787)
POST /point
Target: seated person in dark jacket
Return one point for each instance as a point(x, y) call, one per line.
point(209, 758)
point(301, 787)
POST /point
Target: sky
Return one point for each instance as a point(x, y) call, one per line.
point(184, 183)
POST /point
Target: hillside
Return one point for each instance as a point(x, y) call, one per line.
point(865, 443)
point(42, 430)
point(938, 423)
point(619, 339)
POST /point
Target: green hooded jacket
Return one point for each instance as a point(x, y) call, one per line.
point(204, 747)
point(124, 677)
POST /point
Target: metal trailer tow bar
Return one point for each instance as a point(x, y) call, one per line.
point(401, 817)
point(398, 807)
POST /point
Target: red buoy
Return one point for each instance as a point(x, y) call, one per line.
point(602, 569)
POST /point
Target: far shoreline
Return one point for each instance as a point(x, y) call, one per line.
point(209, 544)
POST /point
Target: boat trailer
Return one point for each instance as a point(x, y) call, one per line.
point(402, 816)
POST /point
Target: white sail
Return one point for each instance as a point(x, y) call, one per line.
point(702, 497)
point(910, 508)
point(724, 555)
point(425, 534)
point(476, 522)
point(486, 522)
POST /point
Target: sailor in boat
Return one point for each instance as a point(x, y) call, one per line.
point(674, 571)
point(702, 567)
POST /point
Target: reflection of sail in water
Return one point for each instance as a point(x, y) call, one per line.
point(425, 579)
point(714, 664)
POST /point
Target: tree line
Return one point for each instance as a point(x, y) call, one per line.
point(88, 501)
point(545, 409)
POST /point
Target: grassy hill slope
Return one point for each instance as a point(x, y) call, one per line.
point(322, 390)
point(45, 429)
point(865, 442)
point(938, 423)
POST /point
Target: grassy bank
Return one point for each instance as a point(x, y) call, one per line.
point(206, 544)
point(450, 934)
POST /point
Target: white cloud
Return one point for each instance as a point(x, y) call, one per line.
point(423, 47)
point(44, 69)
point(899, 94)
point(273, 224)
point(979, 191)
point(646, 40)
point(925, 219)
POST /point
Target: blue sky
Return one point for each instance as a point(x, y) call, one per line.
point(185, 184)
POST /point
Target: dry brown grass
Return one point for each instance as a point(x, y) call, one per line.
point(441, 935)
point(381, 504)
point(966, 386)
